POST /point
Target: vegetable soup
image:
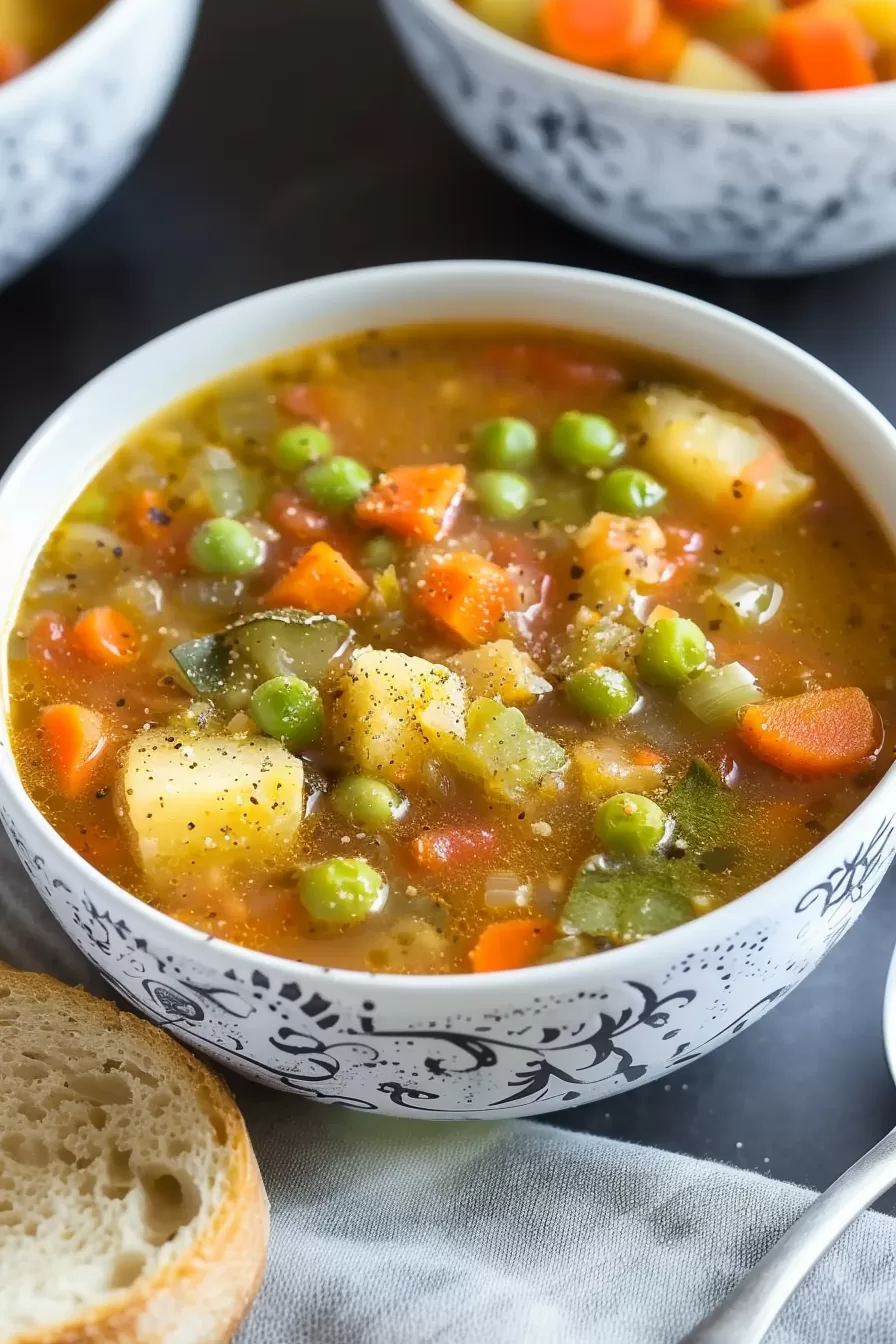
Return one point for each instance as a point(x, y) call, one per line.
point(739, 46)
point(31, 29)
point(451, 649)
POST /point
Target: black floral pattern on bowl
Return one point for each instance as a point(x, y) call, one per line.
point(303, 1030)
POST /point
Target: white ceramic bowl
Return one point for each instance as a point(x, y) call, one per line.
point(461, 1046)
point(71, 126)
point(752, 183)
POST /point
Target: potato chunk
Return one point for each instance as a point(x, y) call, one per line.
point(703, 65)
point(501, 671)
point(209, 798)
point(377, 711)
point(728, 461)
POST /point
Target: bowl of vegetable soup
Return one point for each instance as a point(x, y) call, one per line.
point(82, 84)
point(463, 688)
point(745, 136)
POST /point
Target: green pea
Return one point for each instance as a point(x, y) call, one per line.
point(600, 693)
point(336, 483)
point(630, 492)
point(301, 445)
point(503, 495)
point(379, 553)
point(289, 709)
point(225, 546)
point(630, 824)
point(342, 891)
point(672, 651)
point(506, 443)
point(369, 804)
point(580, 441)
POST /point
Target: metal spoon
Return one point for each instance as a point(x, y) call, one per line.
point(750, 1309)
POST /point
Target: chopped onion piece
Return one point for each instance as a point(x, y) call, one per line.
point(505, 891)
point(205, 591)
point(717, 695)
point(141, 597)
point(752, 599)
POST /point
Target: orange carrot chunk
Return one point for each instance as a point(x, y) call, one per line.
point(822, 45)
point(150, 518)
point(105, 636)
point(468, 594)
point(77, 741)
point(463, 845)
point(597, 32)
point(14, 59)
point(511, 944)
point(416, 502)
point(658, 56)
point(819, 733)
point(321, 581)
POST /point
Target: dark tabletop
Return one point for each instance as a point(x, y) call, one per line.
point(299, 144)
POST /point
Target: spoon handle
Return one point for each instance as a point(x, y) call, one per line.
point(750, 1309)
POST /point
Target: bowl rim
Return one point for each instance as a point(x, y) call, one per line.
point(624, 959)
point(671, 97)
point(105, 25)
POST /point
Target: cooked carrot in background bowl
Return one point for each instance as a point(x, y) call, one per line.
point(749, 46)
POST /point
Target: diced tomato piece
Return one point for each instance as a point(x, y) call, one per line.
point(48, 640)
point(453, 845)
point(302, 400)
point(551, 367)
point(292, 518)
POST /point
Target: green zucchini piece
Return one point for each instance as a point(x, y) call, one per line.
point(288, 642)
point(203, 663)
point(284, 642)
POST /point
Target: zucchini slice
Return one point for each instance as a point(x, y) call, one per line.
point(285, 642)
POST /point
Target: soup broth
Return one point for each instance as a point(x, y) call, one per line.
point(491, 646)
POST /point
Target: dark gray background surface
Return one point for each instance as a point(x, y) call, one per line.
point(299, 144)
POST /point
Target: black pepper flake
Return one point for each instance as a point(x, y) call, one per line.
point(573, 597)
point(715, 625)
point(191, 825)
point(118, 552)
point(102, 793)
point(159, 516)
point(576, 572)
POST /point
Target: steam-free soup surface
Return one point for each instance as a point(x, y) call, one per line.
point(445, 650)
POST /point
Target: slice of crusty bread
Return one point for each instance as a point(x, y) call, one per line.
point(131, 1206)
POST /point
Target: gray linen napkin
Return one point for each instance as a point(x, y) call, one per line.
point(406, 1232)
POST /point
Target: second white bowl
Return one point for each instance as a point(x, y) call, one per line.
point(73, 125)
point(751, 183)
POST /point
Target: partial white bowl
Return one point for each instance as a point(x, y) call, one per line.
point(509, 1044)
point(71, 126)
point(750, 183)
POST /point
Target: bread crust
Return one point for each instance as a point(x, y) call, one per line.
point(200, 1297)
